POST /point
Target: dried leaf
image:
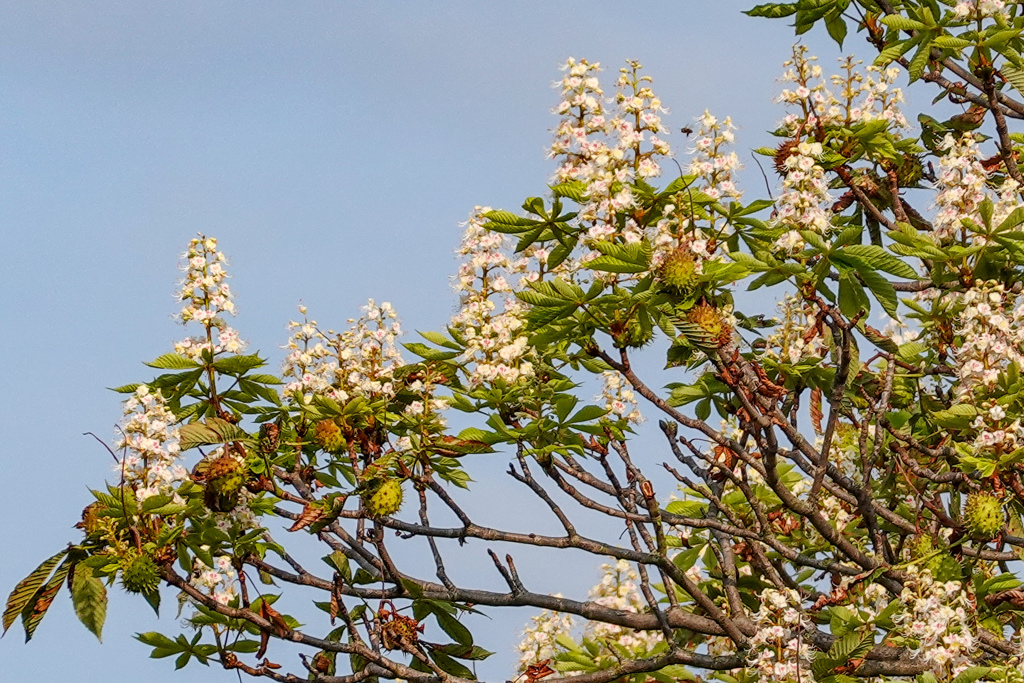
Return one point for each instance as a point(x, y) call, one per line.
point(537, 671)
point(816, 413)
point(1015, 597)
point(310, 514)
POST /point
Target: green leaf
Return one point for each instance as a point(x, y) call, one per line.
point(877, 257)
point(902, 23)
point(161, 644)
point(610, 264)
point(882, 289)
point(27, 589)
point(687, 508)
point(453, 627)
point(575, 190)
point(1014, 75)
point(951, 43)
point(449, 665)
point(836, 27)
point(852, 299)
point(428, 353)
point(173, 361)
point(237, 365)
point(587, 413)
point(476, 434)
point(958, 416)
point(214, 431)
point(89, 596)
point(918, 62)
point(264, 379)
point(473, 652)
point(894, 51)
point(972, 674)
point(773, 10)
point(440, 340)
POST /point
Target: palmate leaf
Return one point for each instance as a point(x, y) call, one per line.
point(89, 596)
point(26, 590)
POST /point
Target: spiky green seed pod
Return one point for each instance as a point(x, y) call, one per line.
point(328, 436)
point(225, 478)
point(139, 574)
point(983, 515)
point(384, 500)
point(678, 272)
point(921, 547)
point(710, 320)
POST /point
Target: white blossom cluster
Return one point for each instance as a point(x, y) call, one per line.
point(607, 149)
point(619, 398)
point(618, 590)
point(207, 296)
point(713, 162)
point(360, 361)
point(309, 363)
point(991, 325)
point(979, 9)
point(219, 581)
point(539, 641)
point(777, 651)
point(937, 616)
point(226, 340)
point(961, 183)
point(797, 337)
point(862, 98)
point(801, 206)
point(149, 438)
point(204, 290)
point(490, 318)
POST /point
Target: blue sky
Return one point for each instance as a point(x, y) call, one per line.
point(333, 148)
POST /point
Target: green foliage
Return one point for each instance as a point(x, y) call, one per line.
point(829, 486)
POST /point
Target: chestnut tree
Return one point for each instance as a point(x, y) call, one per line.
point(839, 490)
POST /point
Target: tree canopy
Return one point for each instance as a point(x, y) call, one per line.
point(838, 493)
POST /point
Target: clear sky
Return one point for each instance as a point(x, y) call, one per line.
point(333, 148)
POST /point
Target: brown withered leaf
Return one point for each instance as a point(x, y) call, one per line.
point(1015, 597)
point(264, 641)
point(310, 513)
point(850, 666)
point(536, 672)
point(767, 387)
point(816, 413)
point(335, 608)
point(321, 662)
point(277, 623)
